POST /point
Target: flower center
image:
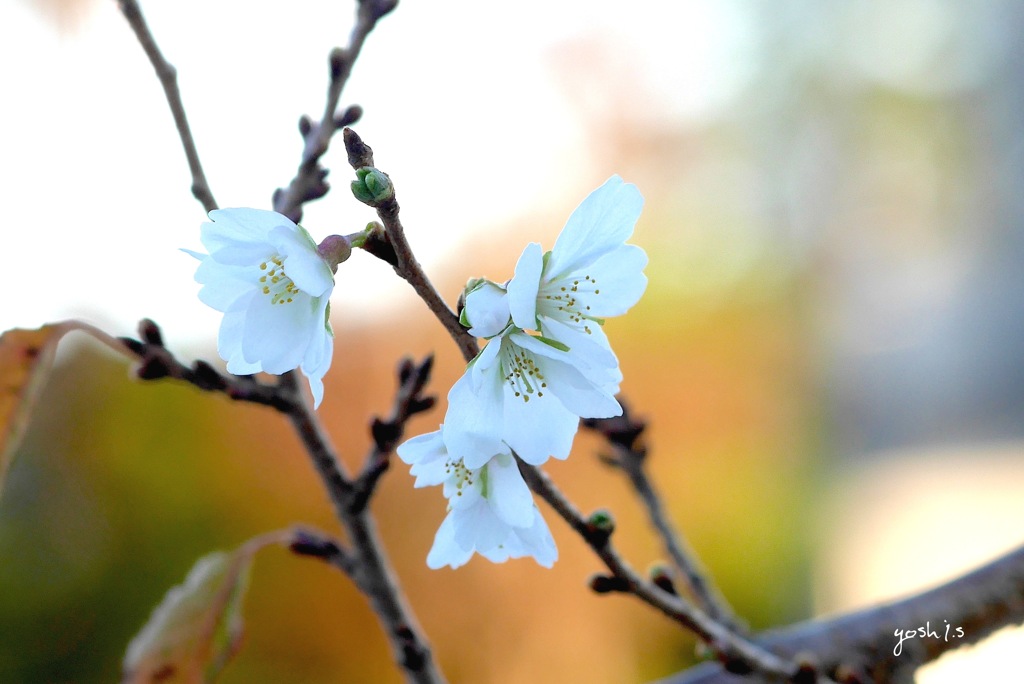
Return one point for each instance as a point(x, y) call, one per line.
point(522, 373)
point(565, 303)
point(462, 475)
point(275, 283)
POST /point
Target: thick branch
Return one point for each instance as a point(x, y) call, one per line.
point(863, 646)
point(168, 76)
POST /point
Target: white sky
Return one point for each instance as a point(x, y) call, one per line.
point(97, 187)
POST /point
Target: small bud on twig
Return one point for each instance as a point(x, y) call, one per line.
point(600, 526)
point(372, 186)
point(607, 584)
point(662, 578)
point(150, 332)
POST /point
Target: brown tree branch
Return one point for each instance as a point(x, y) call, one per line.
point(360, 156)
point(366, 564)
point(865, 646)
point(737, 654)
point(168, 76)
point(388, 432)
point(310, 181)
point(623, 434)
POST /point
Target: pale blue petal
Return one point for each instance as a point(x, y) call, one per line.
point(602, 222)
point(523, 288)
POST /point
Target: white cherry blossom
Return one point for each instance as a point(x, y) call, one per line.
point(529, 393)
point(490, 508)
point(589, 275)
point(266, 275)
point(530, 390)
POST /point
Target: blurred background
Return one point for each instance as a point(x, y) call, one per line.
point(829, 352)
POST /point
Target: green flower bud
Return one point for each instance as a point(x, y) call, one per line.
point(372, 186)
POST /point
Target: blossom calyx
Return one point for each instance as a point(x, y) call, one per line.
point(334, 249)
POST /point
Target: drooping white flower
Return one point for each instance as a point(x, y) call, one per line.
point(490, 508)
point(589, 275)
point(273, 286)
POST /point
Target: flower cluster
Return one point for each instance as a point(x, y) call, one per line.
point(547, 363)
point(273, 284)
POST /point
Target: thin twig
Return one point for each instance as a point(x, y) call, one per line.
point(156, 362)
point(623, 434)
point(388, 432)
point(310, 181)
point(360, 155)
point(168, 76)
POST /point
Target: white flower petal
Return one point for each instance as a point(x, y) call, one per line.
point(316, 388)
point(477, 527)
point(538, 429)
point(604, 220)
point(508, 494)
point(303, 264)
point(579, 394)
point(320, 352)
point(621, 281)
point(222, 285)
point(487, 310)
point(473, 424)
point(522, 289)
point(537, 541)
point(426, 447)
point(239, 236)
point(483, 366)
point(445, 550)
point(277, 335)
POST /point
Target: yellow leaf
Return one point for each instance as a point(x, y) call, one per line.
point(26, 357)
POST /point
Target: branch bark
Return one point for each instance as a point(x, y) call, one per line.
point(168, 76)
point(862, 646)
